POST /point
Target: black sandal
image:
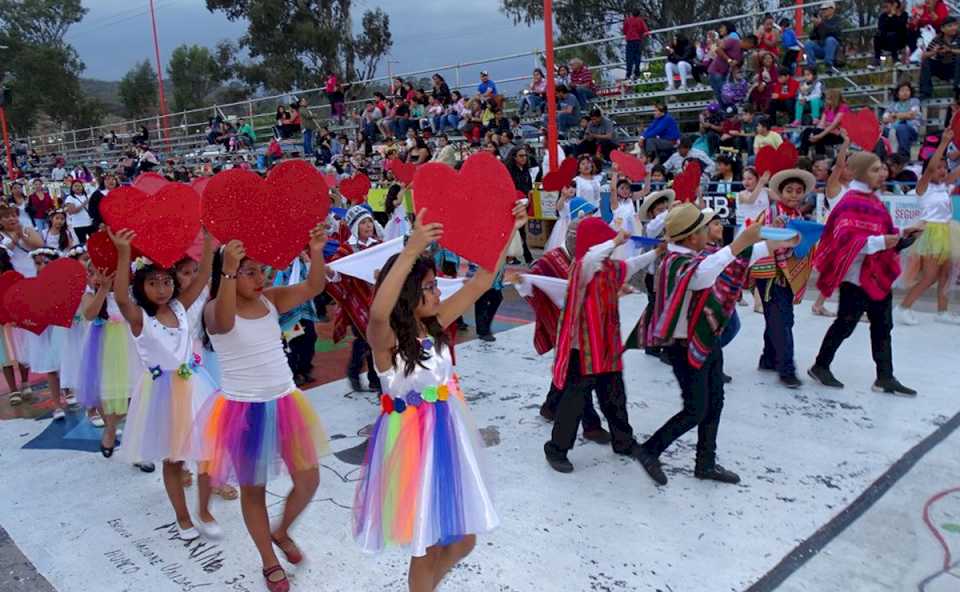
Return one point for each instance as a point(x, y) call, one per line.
point(106, 452)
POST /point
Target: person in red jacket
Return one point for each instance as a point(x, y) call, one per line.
point(635, 31)
point(784, 97)
point(927, 13)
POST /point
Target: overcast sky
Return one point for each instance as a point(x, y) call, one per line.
point(115, 34)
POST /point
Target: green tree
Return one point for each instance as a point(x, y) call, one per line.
point(295, 43)
point(194, 73)
point(138, 90)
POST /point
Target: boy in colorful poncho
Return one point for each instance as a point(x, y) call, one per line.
point(858, 254)
point(696, 296)
point(588, 347)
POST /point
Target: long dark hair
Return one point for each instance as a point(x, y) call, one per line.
point(402, 319)
point(5, 263)
point(392, 194)
point(140, 278)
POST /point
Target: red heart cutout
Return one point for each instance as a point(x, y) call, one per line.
point(103, 253)
point(51, 298)
point(473, 205)
point(774, 160)
point(332, 180)
point(199, 184)
point(166, 222)
point(150, 182)
point(863, 127)
point(7, 279)
point(560, 178)
point(404, 171)
point(355, 188)
point(686, 184)
point(955, 126)
point(273, 216)
point(629, 165)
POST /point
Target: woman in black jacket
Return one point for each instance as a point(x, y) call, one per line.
point(519, 162)
point(681, 56)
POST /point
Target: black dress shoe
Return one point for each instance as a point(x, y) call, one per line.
point(892, 386)
point(791, 381)
point(824, 376)
point(652, 351)
point(145, 467)
point(558, 462)
point(650, 464)
point(717, 473)
point(765, 366)
point(727, 379)
point(599, 435)
point(106, 452)
point(356, 386)
point(488, 337)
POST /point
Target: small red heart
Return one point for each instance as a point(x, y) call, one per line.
point(7, 279)
point(404, 171)
point(560, 178)
point(103, 253)
point(863, 127)
point(955, 126)
point(273, 217)
point(166, 222)
point(51, 298)
point(355, 188)
point(774, 160)
point(629, 165)
point(473, 205)
point(150, 183)
point(686, 184)
point(332, 180)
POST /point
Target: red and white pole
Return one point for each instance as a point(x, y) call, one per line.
point(552, 140)
point(163, 100)
point(6, 141)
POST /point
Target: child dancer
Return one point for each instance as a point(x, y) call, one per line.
point(70, 362)
point(858, 254)
point(397, 224)
point(161, 416)
point(43, 351)
point(19, 241)
point(8, 350)
point(59, 235)
point(422, 483)
point(696, 296)
point(588, 344)
point(938, 248)
point(298, 324)
point(260, 422)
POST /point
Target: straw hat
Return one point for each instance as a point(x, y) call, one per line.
point(684, 220)
point(654, 197)
point(781, 178)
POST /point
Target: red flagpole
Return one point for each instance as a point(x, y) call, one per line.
point(6, 141)
point(552, 139)
point(163, 100)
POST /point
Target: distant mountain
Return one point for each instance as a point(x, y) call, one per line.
point(106, 91)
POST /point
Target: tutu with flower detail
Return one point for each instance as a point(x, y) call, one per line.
point(423, 481)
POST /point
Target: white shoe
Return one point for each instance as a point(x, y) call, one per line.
point(683, 88)
point(905, 316)
point(210, 530)
point(96, 420)
point(187, 534)
point(949, 318)
point(70, 399)
point(58, 414)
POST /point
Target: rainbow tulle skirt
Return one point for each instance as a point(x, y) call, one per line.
point(246, 443)
point(423, 481)
point(160, 421)
point(110, 368)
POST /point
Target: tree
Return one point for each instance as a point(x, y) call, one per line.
point(295, 43)
point(194, 73)
point(138, 90)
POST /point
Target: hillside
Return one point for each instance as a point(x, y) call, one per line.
point(106, 91)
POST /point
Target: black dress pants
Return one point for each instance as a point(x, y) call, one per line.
point(853, 303)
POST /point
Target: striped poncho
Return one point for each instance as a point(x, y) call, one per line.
point(554, 263)
point(783, 266)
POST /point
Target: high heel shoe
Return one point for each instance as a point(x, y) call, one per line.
point(282, 585)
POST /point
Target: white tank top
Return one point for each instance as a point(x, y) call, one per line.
point(936, 203)
point(163, 346)
point(253, 365)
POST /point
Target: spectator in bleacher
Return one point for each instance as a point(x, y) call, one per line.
point(926, 13)
point(433, 119)
point(598, 136)
point(142, 136)
point(903, 118)
point(568, 109)
point(534, 96)
point(246, 134)
point(445, 153)
point(891, 35)
point(901, 180)
point(58, 172)
point(335, 96)
point(680, 58)
point(420, 153)
point(487, 89)
point(635, 31)
point(725, 178)
point(588, 179)
point(519, 163)
point(810, 95)
point(40, 205)
point(499, 123)
point(369, 119)
point(146, 159)
point(456, 112)
point(660, 137)
point(765, 136)
point(727, 53)
point(581, 82)
point(108, 182)
point(761, 91)
point(563, 76)
point(825, 38)
point(441, 90)
point(402, 119)
point(385, 125)
point(826, 130)
point(711, 126)
point(731, 129)
point(790, 47)
point(783, 99)
point(941, 59)
point(768, 36)
point(77, 204)
point(686, 151)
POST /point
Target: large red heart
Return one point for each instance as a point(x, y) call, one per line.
point(355, 188)
point(150, 183)
point(863, 127)
point(560, 178)
point(103, 253)
point(773, 160)
point(166, 222)
point(687, 183)
point(51, 298)
point(7, 279)
point(474, 205)
point(273, 216)
point(629, 165)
